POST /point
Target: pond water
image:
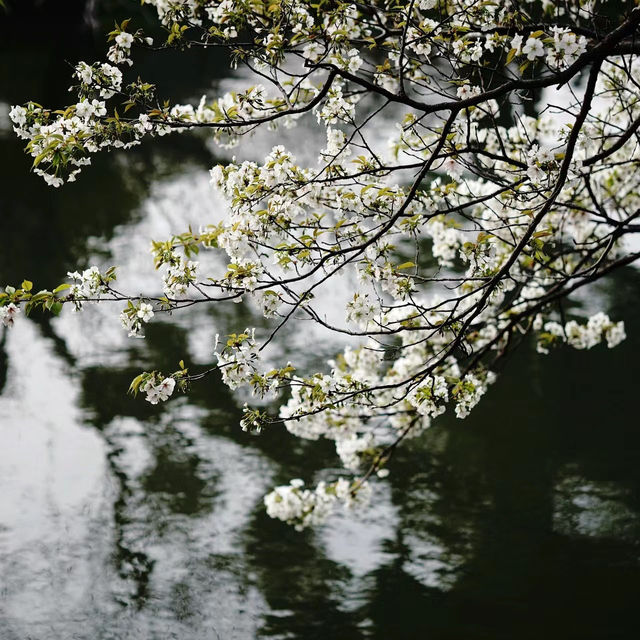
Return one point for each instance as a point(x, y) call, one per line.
point(123, 520)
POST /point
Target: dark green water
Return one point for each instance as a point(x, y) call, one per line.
point(122, 520)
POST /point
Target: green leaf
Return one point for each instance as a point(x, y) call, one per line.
point(56, 308)
point(406, 265)
point(39, 158)
point(41, 295)
point(27, 285)
point(135, 383)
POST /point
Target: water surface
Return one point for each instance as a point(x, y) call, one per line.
point(123, 520)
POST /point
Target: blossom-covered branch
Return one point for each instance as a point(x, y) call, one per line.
point(511, 160)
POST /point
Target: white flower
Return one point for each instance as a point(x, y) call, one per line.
point(159, 392)
point(350, 448)
point(544, 155)
point(237, 362)
point(88, 283)
point(516, 43)
point(533, 48)
point(360, 311)
point(124, 40)
point(535, 173)
point(417, 42)
point(145, 312)
point(84, 109)
point(452, 167)
point(336, 107)
point(218, 179)
point(112, 82)
point(466, 91)
point(469, 391)
point(99, 108)
point(179, 275)
point(84, 72)
point(337, 146)
point(165, 388)
point(18, 116)
point(269, 302)
point(312, 51)
point(8, 314)
point(52, 181)
point(615, 334)
point(430, 397)
point(475, 51)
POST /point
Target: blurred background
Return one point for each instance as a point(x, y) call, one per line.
point(119, 519)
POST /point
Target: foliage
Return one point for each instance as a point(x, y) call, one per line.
point(513, 164)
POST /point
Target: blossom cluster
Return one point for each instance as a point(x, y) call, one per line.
point(158, 390)
point(120, 50)
point(87, 284)
point(133, 318)
point(238, 358)
point(560, 50)
point(580, 336)
point(302, 507)
point(179, 274)
point(8, 314)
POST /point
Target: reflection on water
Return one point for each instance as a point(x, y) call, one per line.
point(598, 509)
point(123, 520)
